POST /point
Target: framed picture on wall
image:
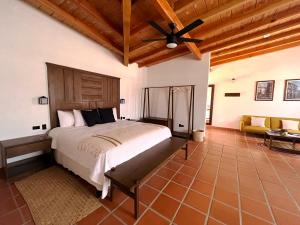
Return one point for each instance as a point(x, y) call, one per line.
point(264, 90)
point(292, 90)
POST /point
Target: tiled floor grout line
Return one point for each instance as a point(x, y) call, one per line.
point(262, 187)
point(285, 187)
point(288, 163)
point(239, 193)
point(156, 197)
point(111, 212)
point(188, 189)
point(16, 204)
point(161, 191)
point(214, 188)
point(224, 203)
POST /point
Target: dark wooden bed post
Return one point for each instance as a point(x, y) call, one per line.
point(148, 101)
point(193, 110)
point(168, 117)
point(144, 103)
point(172, 112)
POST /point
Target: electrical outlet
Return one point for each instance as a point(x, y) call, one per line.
point(36, 127)
point(180, 125)
point(44, 126)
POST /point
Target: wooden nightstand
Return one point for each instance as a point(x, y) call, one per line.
point(21, 146)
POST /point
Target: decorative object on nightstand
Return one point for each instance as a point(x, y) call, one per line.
point(22, 146)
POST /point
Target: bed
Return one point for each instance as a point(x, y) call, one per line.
point(91, 151)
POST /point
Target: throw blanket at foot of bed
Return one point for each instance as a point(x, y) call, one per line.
point(104, 141)
point(103, 146)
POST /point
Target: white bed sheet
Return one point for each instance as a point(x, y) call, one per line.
point(66, 140)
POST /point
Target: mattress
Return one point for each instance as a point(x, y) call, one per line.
point(89, 151)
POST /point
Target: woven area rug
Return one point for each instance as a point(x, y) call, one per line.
point(55, 196)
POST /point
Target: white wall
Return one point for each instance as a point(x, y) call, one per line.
point(28, 39)
point(180, 71)
point(276, 66)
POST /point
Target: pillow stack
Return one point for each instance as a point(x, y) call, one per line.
point(90, 118)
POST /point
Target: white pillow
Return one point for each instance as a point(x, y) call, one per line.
point(115, 113)
point(290, 125)
point(66, 118)
point(258, 121)
point(79, 121)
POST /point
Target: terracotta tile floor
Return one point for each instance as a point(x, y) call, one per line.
point(231, 178)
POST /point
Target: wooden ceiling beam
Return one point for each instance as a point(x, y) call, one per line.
point(254, 35)
point(206, 32)
point(171, 55)
point(286, 14)
point(207, 45)
point(75, 23)
point(205, 16)
point(263, 9)
point(215, 11)
point(126, 29)
point(256, 49)
point(257, 53)
point(167, 12)
point(90, 10)
point(261, 41)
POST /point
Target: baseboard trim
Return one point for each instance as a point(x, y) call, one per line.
point(222, 128)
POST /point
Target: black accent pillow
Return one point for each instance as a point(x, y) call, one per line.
point(107, 115)
point(91, 117)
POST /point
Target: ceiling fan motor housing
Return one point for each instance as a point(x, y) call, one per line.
point(172, 41)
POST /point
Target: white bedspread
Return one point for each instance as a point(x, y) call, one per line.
point(82, 145)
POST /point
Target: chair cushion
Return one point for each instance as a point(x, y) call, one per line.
point(254, 129)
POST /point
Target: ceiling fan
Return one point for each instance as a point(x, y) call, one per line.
point(173, 39)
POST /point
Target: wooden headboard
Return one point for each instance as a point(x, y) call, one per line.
point(71, 88)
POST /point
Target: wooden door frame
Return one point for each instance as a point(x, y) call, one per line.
point(211, 103)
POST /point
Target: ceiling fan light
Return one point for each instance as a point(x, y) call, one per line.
point(171, 45)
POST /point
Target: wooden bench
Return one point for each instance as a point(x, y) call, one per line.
point(128, 176)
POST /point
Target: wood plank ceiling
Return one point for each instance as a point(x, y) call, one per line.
point(232, 29)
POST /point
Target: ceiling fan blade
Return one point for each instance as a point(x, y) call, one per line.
point(154, 39)
point(157, 27)
point(189, 27)
point(189, 40)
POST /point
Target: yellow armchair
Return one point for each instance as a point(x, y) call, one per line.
point(242, 124)
point(245, 125)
